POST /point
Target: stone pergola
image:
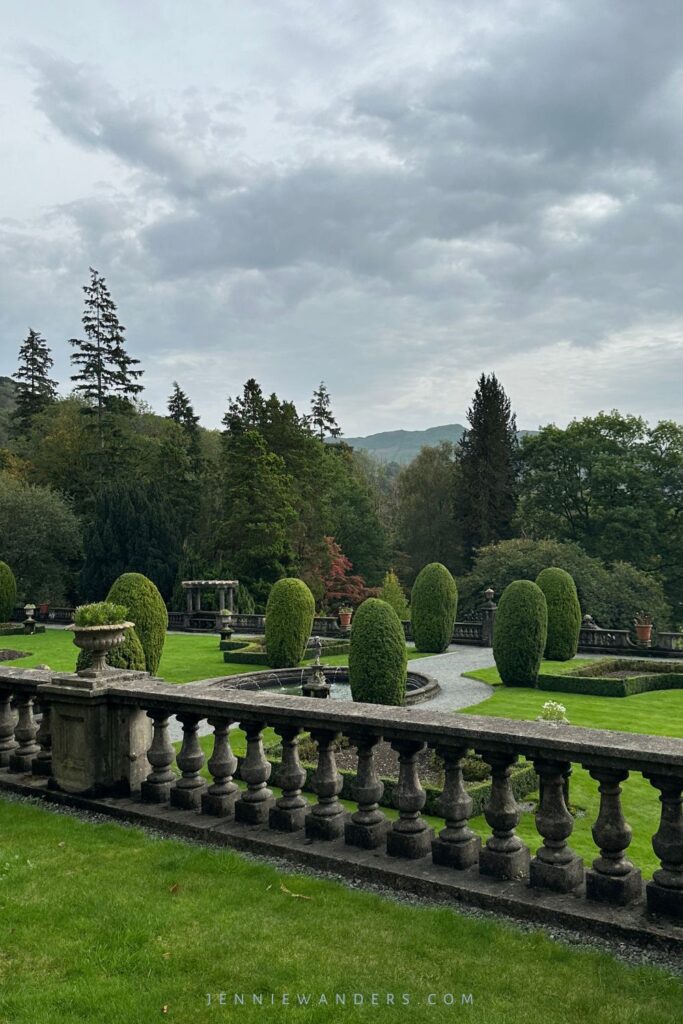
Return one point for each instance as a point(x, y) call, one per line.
point(194, 588)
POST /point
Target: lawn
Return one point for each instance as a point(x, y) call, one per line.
point(158, 924)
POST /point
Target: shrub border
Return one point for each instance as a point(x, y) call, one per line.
point(601, 686)
point(241, 655)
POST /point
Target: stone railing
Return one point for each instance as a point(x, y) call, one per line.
point(103, 740)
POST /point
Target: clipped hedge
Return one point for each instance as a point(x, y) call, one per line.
point(519, 633)
point(147, 610)
point(564, 613)
point(378, 659)
point(289, 621)
point(645, 678)
point(253, 654)
point(433, 607)
point(128, 654)
point(8, 592)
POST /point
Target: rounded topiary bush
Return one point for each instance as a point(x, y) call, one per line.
point(519, 633)
point(289, 621)
point(8, 592)
point(128, 654)
point(378, 655)
point(564, 613)
point(146, 609)
point(433, 604)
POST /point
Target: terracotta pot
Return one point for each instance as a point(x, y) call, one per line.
point(99, 640)
point(345, 619)
point(644, 633)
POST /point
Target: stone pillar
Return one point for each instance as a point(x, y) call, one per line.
point(488, 618)
point(456, 845)
point(42, 762)
point(505, 855)
point(613, 878)
point(253, 806)
point(221, 599)
point(156, 789)
point(189, 598)
point(326, 819)
point(289, 812)
point(665, 891)
point(8, 721)
point(188, 790)
point(410, 836)
point(368, 826)
point(555, 865)
point(198, 600)
point(231, 599)
point(21, 758)
point(219, 799)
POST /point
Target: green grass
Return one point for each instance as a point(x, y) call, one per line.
point(490, 675)
point(105, 924)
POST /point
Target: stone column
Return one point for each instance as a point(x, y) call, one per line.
point(289, 812)
point(456, 845)
point(368, 826)
point(156, 789)
point(189, 598)
point(21, 758)
point(188, 790)
point(410, 836)
point(221, 599)
point(665, 891)
point(198, 600)
point(219, 799)
point(613, 877)
point(8, 721)
point(231, 599)
point(326, 819)
point(505, 855)
point(253, 806)
point(42, 762)
point(555, 865)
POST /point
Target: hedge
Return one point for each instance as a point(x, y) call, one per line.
point(378, 658)
point(519, 633)
point(17, 629)
point(433, 607)
point(564, 613)
point(289, 621)
point(244, 653)
point(147, 610)
point(654, 676)
point(129, 655)
point(8, 592)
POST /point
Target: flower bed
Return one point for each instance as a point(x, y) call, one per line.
point(615, 677)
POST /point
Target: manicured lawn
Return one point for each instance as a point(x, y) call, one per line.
point(105, 924)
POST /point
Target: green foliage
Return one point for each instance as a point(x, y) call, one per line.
point(100, 613)
point(8, 592)
point(392, 592)
point(289, 620)
point(434, 604)
point(34, 389)
point(520, 633)
point(127, 655)
point(564, 613)
point(607, 678)
point(425, 495)
point(378, 656)
point(146, 609)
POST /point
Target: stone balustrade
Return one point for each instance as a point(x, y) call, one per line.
point(107, 738)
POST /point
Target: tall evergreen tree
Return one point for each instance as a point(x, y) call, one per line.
point(246, 412)
point(485, 498)
point(180, 410)
point(321, 417)
point(35, 390)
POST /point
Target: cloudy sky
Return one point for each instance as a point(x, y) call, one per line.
point(391, 195)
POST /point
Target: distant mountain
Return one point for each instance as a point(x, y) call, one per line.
point(403, 445)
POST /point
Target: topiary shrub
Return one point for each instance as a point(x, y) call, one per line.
point(433, 606)
point(564, 613)
point(392, 592)
point(378, 655)
point(147, 610)
point(8, 592)
point(128, 654)
point(289, 621)
point(519, 633)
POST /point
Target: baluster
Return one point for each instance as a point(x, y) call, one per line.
point(8, 721)
point(555, 865)
point(368, 826)
point(456, 846)
point(409, 836)
point(219, 798)
point(289, 812)
point(505, 855)
point(25, 734)
point(665, 891)
point(156, 789)
point(253, 806)
point(188, 790)
point(42, 762)
point(613, 878)
point(327, 818)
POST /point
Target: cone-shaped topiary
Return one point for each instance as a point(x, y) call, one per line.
point(289, 621)
point(433, 606)
point(146, 609)
point(8, 592)
point(378, 656)
point(519, 633)
point(564, 613)
point(128, 654)
point(392, 592)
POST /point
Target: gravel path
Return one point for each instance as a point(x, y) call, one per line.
point(456, 692)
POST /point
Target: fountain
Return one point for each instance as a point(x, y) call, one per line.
point(315, 684)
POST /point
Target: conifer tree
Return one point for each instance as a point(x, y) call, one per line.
point(180, 410)
point(321, 416)
point(35, 390)
point(246, 412)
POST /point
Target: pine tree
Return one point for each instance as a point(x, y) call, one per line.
point(180, 410)
point(35, 390)
point(246, 412)
point(487, 455)
point(321, 414)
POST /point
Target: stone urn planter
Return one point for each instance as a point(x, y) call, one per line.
point(98, 641)
point(345, 617)
point(644, 633)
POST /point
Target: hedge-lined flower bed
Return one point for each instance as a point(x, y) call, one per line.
point(614, 677)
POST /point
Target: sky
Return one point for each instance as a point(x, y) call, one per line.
point(388, 195)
